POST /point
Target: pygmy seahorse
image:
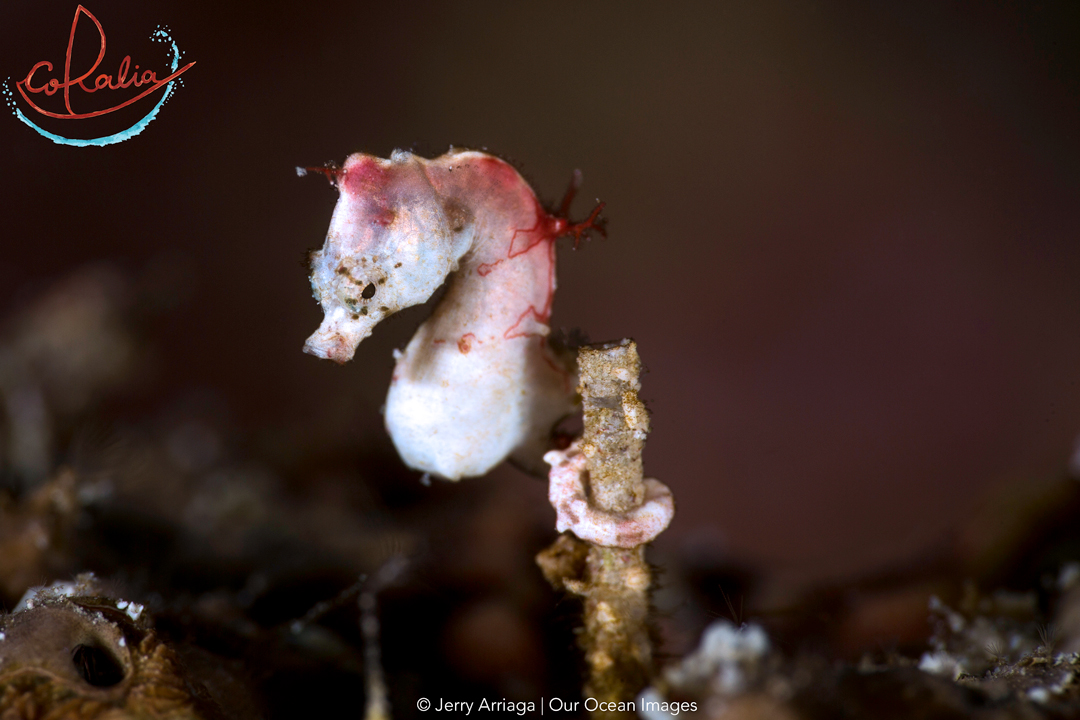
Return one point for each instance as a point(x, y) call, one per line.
point(478, 382)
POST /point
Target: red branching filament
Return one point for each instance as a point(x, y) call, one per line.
point(562, 225)
point(593, 222)
point(330, 170)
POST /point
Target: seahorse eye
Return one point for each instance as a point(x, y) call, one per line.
point(369, 291)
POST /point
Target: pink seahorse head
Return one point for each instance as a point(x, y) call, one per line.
point(392, 241)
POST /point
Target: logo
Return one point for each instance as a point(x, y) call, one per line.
point(58, 98)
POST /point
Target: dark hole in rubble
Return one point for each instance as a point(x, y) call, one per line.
point(96, 665)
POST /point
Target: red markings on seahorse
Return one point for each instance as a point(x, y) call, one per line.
point(538, 315)
point(484, 269)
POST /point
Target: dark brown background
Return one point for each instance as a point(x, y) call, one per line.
point(844, 234)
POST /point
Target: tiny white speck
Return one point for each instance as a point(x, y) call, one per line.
point(123, 642)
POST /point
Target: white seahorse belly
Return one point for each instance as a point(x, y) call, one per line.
point(458, 409)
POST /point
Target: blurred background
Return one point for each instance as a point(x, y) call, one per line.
point(843, 234)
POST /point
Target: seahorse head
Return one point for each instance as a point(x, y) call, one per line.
point(391, 243)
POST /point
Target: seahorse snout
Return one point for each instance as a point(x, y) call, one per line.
point(337, 337)
point(334, 347)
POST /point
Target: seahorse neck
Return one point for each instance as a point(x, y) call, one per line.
point(505, 282)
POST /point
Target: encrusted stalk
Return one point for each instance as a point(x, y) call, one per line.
point(616, 423)
point(613, 581)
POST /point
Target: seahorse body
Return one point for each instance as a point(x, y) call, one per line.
point(478, 381)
